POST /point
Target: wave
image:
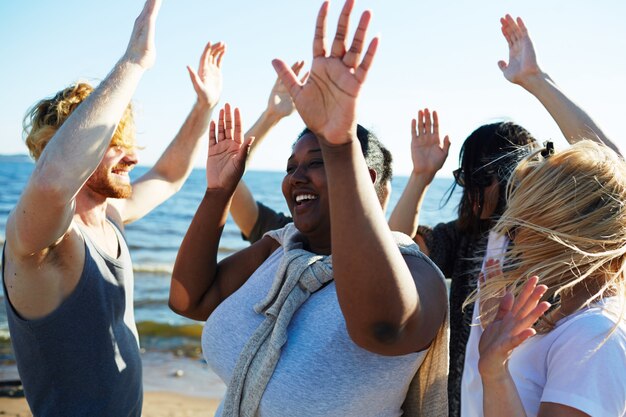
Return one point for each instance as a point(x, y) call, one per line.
point(165, 330)
point(154, 268)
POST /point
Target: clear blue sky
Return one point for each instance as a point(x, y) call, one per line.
point(437, 54)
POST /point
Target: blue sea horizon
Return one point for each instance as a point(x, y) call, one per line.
point(154, 241)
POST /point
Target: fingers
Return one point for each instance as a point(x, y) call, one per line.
point(362, 70)
point(212, 136)
point(287, 77)
point(150, 10)
point(228, 122)
point(204, 58)
point(195, 79)
point(221, 134)
point(427, 122)
point(414, 127)
point(319, 49)
point(446, 145)
point(297, 67)
point(522, 26)
point(435, 123)
point(238, 135)
point(217, 53)
point(351, 59)
point(244, 150)
point(338, 48)
point(506, 303)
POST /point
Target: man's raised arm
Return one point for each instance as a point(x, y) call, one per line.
point(44, 211)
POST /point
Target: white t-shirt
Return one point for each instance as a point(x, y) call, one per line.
point(570, 365)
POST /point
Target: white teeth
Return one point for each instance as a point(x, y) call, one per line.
point(303, 197)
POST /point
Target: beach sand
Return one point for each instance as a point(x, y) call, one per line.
point(174, 386)
point(156, 404)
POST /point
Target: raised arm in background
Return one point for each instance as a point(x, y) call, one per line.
point(391, 306)
point(523, 70)
point(169, 173)
point(244, 207)
point(46, 208)
point(199, 283)
point(428, 154)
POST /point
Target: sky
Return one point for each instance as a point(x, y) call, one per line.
point(440, 55)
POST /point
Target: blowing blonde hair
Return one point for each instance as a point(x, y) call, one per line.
point(567, 215)
point(46, 117)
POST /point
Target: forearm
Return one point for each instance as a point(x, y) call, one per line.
point(86, 135)
point(244, 208)
point(573, 121)
point(176, 163)
point(405, 215)
point(375, 288)
point(500, 397)
point(195, 268)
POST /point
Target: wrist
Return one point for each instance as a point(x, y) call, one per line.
point(494, 374)
point(422, 177)
point(271, 117)
point(533, 82)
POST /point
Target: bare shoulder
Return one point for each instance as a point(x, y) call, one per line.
point(114, 212)
point(36, 284)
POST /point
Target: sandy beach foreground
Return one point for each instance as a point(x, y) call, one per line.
point(156, 404)
point(173, 387)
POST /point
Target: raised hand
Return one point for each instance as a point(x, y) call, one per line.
point(511, 326)
point(280, 103)
point(327, 100)
point(427, 151)
point(141, 49)
point(227, 151)
point(522, 60)
point(208, 80)
point(489, 306)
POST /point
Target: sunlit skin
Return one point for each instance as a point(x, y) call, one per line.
point(111, 178)
point(306, 180)
point(491, 196)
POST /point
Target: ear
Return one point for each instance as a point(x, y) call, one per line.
point(373, 175)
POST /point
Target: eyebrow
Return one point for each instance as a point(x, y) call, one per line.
point(308, 152)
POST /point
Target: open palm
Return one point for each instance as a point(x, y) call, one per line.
point(327, 100)
point(207, 81)
point(227, 151)
point(511, 326)
point(427, 151)
point(522, 59)
point(280, 102)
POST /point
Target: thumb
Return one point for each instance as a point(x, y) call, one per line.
point(195, 79)
point(502, 65)
point(287, 76)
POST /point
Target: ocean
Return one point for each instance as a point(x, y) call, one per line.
point(154, 242)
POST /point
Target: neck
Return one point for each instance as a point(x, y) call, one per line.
point(317, 246)
point(90, 207)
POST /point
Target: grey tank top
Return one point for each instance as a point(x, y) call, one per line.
point(321, 371)
point(83, 358)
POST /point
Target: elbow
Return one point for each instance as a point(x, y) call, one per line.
point(376, 335)
point(186, 311)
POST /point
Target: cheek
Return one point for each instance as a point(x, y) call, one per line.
point(286, 190)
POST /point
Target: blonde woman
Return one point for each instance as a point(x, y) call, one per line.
point(566, 221)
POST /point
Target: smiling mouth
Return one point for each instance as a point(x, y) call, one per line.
point(303, 199)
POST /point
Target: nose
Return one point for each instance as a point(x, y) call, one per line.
point(130, 157)
point(298, 175)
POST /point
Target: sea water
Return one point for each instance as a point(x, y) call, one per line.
point(154, 241)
